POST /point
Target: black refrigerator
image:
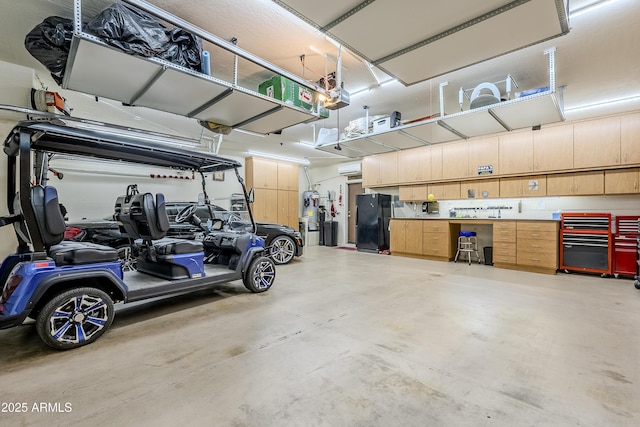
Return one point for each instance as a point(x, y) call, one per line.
point(373, 212)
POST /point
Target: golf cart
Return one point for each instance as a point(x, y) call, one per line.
point(70, 288)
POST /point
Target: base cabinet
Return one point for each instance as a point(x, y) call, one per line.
point(518, 245)
point(406, 236)
point(537, 246)
point(504, 243)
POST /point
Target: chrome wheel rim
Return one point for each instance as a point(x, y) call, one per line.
point(128, 260)
point(78, 319)
point(264, 275)
point(282, 250)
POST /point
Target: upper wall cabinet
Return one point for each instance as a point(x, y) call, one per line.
point(553, 148)
point(630, 139)
point(436, 162)
point(414, 165)
point(596, 143)
point(516, 153)
point(380, 170)
point(455, 160)
point(483, 152)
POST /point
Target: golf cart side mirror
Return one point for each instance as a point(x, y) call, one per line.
point(251, 195)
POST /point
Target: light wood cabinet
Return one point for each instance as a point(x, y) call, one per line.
point(406, 236)
point(553, 148)
point(478, 187)
point(413, 193)
point(537, 245)
point(437, 240)
point(380, 170)
point(265, 205)
point(533, 186)
point(575, 184)
point(414, 165)
point(436, 162)
point(630, 139)
point(288, 209)
point(596, 143)
point(455, 158)
point(483, 152)
point(622, 181)
point(261, 173)
point(504, 243)
point(516, 153)
point(275, 186)
point(288, 176)
point(445, 190)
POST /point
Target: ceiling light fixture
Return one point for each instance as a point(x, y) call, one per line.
point(603, 104)
point(248, 132)
point(590, 8)
point(277, 157)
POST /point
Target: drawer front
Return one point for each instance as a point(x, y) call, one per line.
point(538, 226)
point(504, 249)
point(504, 235)
point(504, 259)
point(538, 245)
point(504, 225)
point(435, 226)
point(436, 245)
point(549, 236)
point(534, 259)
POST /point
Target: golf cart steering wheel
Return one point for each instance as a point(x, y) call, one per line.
point(186, 213)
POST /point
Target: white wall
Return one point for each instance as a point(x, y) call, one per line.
point(327, 179)
point(89, 189)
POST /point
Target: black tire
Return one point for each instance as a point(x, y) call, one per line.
point(83, 315)
point(636, 283)
point(260, 275)
point(282, 250)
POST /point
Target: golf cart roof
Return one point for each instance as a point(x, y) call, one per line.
point(115, 143)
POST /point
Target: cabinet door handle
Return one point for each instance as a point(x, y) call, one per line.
point(535, 259)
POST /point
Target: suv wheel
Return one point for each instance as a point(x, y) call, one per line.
point(282, 250)
point(261, 275)
point(75, 318)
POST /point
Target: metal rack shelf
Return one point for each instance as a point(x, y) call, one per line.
point(99, 69)
point(537, 109)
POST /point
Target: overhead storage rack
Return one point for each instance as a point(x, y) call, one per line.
point(96, 68)
point(544, 107)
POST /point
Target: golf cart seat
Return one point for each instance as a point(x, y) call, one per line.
point(50, 227)
point(142, 217)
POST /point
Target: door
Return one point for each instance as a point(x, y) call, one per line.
point(352, 191)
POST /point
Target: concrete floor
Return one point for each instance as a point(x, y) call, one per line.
point(349, 339)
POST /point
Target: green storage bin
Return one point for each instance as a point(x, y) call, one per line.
point(288, 91)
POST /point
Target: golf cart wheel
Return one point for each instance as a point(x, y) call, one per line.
point(260, 275)
point(636, 283)
point(75, 318)
point(282, 250)
point(129, 261)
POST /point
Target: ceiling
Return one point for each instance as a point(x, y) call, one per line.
point(596, 61)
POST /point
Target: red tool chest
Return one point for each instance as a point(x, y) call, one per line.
point(585, 240)
point(625, 246)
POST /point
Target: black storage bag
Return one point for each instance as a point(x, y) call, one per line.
point(129, 29)
point(49, 43)
point(184, 49)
